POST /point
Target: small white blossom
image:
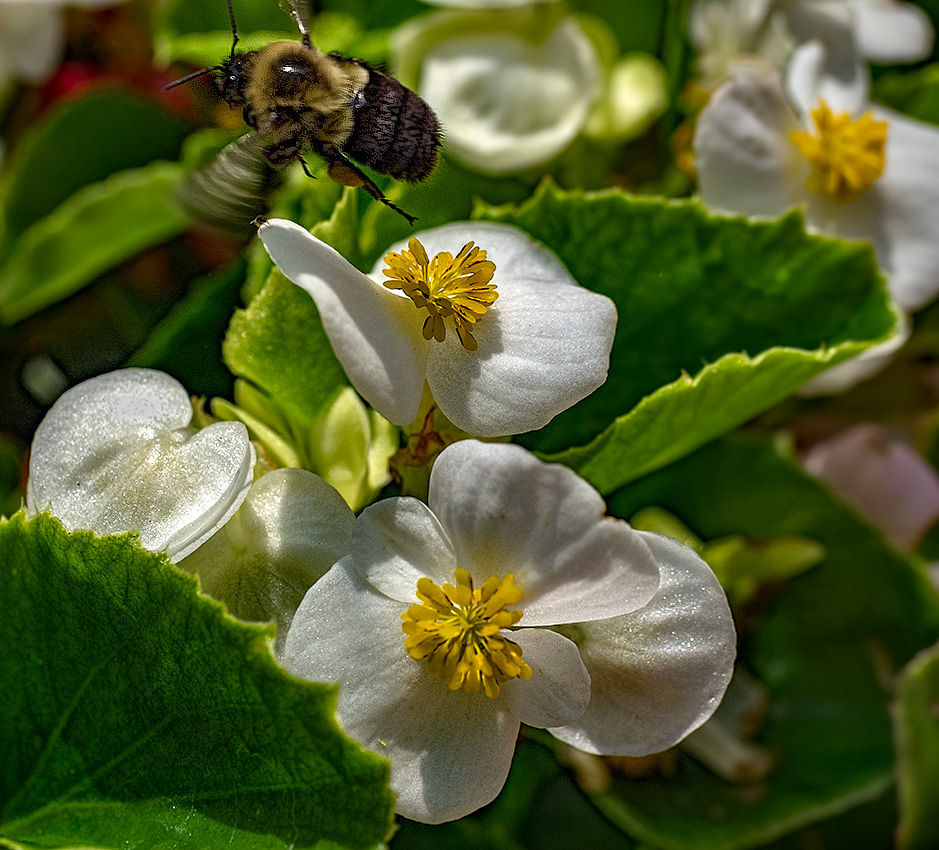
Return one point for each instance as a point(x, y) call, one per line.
point(32, 36)
point(885, 479)
point(512, 89)
point(509, 598)
point(503, 335)
point(116, 454)
point(859, 170)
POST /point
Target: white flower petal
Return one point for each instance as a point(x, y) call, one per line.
point(398, 541)
point(450, 751)
point(833, 71)
point(660, 672)
point(745, 161)
point(542, 348)
point(908, 194)
point(884, 479)
point(375, 334)
point(509, 103)
point(505, 511)
point(114, 455)
point(290, 530)
point(888, 31)
point(559, 690)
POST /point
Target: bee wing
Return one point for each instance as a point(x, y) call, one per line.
point(302, 12)
point(232, 189)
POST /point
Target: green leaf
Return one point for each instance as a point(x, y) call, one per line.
point(825, 646)
point(751, 310)
point(188, 342)
point(81, 142)
point(915, 93)
point(279, 343)
point(95, 229)
point(137, 714)
point(917, 733)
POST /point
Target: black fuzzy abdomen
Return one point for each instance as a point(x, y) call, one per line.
point(395, 132)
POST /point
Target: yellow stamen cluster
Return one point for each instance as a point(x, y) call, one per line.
point(446, 286)
point(847, 156)
point(456, 629)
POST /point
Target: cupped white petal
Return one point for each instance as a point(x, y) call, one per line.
point(114, 454)
point(375, 334)
point(290, 530)
point(450, 751)
point(888, 31)
point(745, 161)
point(507, 102)
point(559, 689)
point(398, 541)
point(505, 511)
point(658, 673)
point(833, 71)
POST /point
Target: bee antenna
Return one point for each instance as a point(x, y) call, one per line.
point(234, 29)
point(194, 76)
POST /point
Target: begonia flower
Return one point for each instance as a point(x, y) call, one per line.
point(496, 326)
point(860, 171)
point(509, 598)
point(288, 532)
point(116, 454)
point(726, 32)
point(883, 478)
point(32, 36)
point(513, 88)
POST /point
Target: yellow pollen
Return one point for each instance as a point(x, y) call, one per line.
point(846, 156)
point(448, 287)
point(456, 629)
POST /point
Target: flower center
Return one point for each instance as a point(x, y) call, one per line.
point(456, 630)
point(448, 287)
point(846, 156)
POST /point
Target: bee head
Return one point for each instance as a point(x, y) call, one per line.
point(232, 78)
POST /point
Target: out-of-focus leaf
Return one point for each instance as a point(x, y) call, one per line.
point(751, 310)
point(78, 143)
point(95, 229)
point(915, 93)
point(188, 342)
point(826, 648)
point(137, 714)
point(917, 733)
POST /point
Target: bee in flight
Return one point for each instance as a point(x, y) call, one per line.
point(297, 97)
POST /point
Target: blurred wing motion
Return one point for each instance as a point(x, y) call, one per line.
point(233, 189)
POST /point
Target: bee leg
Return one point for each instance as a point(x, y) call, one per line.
point(346, 173)
point(306, 170)
point(283, 152)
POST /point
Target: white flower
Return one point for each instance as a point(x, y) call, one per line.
point(512, 89)
point(32, 36)
point(508, 339)
point(290, 530)
point(116, 454)
point(510, 598)
point(861, 172)
point(725, 32)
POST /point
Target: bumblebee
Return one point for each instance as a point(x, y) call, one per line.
point(297, 97)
